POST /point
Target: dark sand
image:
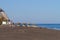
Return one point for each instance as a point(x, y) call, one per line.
point(24, 33)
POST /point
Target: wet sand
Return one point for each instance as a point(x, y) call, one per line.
point(28, 33)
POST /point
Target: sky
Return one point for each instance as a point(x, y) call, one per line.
point(32, 11)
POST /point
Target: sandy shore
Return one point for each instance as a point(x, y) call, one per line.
point(24, 33)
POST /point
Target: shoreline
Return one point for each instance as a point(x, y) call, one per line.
point(28, 33)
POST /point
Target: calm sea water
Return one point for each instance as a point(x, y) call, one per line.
point(49, 26)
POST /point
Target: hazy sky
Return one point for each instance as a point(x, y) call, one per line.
point(32, 11)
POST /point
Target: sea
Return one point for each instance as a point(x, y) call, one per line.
point(49, 26)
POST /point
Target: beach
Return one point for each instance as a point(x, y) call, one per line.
point(28, 33)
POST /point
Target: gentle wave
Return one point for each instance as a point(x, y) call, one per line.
point(56, 28)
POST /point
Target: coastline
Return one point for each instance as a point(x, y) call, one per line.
point(28, 33)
